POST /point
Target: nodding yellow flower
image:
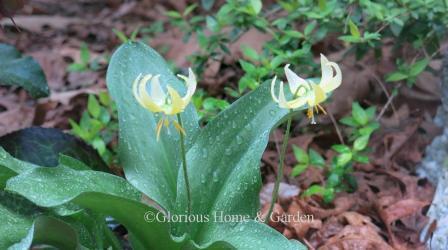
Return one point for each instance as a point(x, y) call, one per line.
point(157, 100)
point(308, 92)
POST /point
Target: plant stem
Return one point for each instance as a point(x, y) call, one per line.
point(280, 169)
point(184, 164)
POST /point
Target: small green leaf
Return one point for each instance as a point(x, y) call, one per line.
point(418, 67)
point(256, 5)
point(343, 159)
point(361, 158)
point(354, 31)
point(249, 52)
point(84, 53)
point(314, 189)
point(340, 148)
point(294, 33)
point(371, 112)
point(350, 39)
point(277, 61)
point(173, 14)
point(300, 155)
point(247, 66)
point(104, 98)
point(349, 121)
point(328, 195)
point(207, 4)
point(189, 9)
point(396, 76)
point(315, 158)
point(369, 129)
point(298, 169)
point(322, 4)
point(309, 28)
point(123, 38)
point(93, 106)
point(361, 143)
point(359, 114)
point(76, 67)
point(212, 24)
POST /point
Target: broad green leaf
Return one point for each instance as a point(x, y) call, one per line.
point(42, 146)
point(17, 215)
point(151, 166)
point(24, 224)
point(9, 163)
point(98, 191)
point(226, 179)
point(300, 154)
point(23, 71)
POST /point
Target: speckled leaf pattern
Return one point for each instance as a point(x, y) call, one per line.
point(102, 193)
point(151, 166)
point(225, 161)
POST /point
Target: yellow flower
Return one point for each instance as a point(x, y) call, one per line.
point(308, 92)
point(157, 100)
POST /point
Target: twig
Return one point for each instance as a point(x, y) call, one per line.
point(335, 124)
point(389, 101)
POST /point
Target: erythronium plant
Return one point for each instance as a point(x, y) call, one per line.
point(303, 93)
point(222, 158)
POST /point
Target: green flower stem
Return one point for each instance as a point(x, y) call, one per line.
point(184, 163)
point(280, 169)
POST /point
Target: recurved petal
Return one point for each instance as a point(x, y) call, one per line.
point(281, 97)
point(191, 83)
point(327, 72)
point(295, 82)
point(146, 100)
point(331, 75)
point(157, 93)
point(177, 104)
point(135, 87)
point(335, 81)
